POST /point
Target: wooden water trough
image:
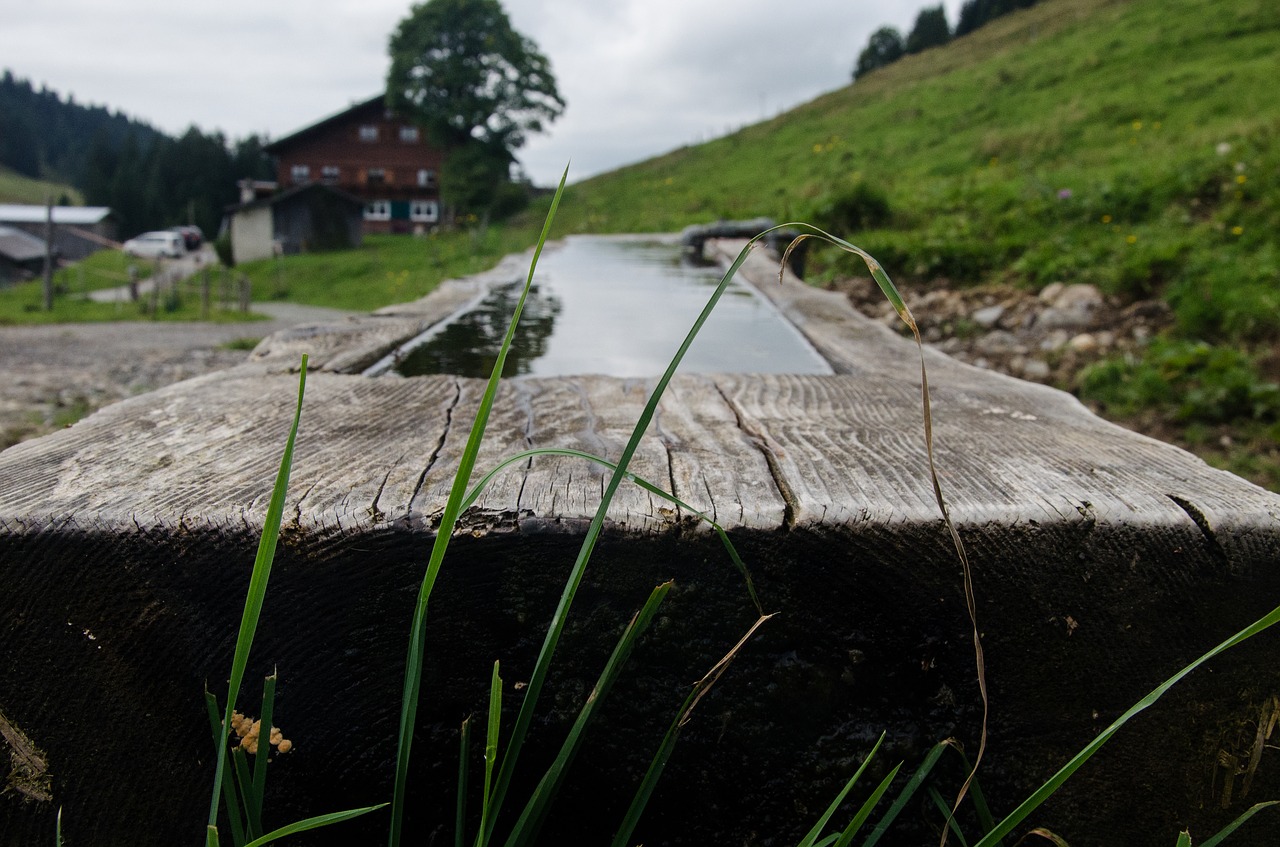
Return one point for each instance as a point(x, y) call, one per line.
point(1103, 562)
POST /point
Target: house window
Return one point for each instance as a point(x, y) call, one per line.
point(409, 134)
point(378, 210)
point(376, 176)
point(426, 178)
point(369, 132)
point(424, 211)
point(300, 173)
point(330, 173)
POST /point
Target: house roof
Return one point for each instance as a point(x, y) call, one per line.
point(22, 213)
point(279, 143)
point(288, 193)
point(18, 246)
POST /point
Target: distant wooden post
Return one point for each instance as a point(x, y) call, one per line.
point(156, 279)
point(48, 254)
point(205, 281)
point(245, 290)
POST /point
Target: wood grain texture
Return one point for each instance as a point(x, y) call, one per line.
point(754, 451)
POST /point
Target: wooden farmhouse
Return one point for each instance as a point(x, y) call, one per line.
point(368, 152)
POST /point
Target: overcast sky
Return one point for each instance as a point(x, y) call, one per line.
point(640, 77)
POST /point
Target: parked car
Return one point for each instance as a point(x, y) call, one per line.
point(151, 245)
point(192, 236)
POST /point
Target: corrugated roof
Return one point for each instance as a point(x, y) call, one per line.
point(19, 246)
point(68, 215)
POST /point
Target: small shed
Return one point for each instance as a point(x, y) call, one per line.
point(21, 255)
point(299, 220)
point(78, 231)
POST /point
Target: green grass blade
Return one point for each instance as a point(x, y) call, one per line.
point(983, 812)
point(952, 824)
point(211, 836)
point(258, 586)
point(264, 741)
point(490, 749)
point(891, 293)
point(252, 810)
point(811, 837)
point(312, 823)
point(1046, 791)
point(1184, 839)
point(460, 826)
point(57, 832)
point(417, 632)
point(659, 763)
point(556, 628)
point(526, 828)
point(855, 825)
point(228, 789)
point(1218, 838)
point(908, 791)
point(479, 487)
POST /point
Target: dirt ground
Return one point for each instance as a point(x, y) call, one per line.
point(57, 374)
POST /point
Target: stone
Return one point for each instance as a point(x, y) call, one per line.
point(1051, 291)
point(1084, 342)
point(1036, 369)
point(989, 316)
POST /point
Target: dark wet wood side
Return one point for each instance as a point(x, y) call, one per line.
point(1104, 560)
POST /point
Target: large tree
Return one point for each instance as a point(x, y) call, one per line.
point(884, 47)
point(931, 30)
point(460, 70)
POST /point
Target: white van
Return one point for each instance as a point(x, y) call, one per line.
point(151, 245)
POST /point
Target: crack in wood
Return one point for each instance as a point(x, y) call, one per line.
point(376, 514)
point(435, 453)
point(1202, 523)
point(790, 505)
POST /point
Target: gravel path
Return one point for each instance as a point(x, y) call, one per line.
point(58, 374)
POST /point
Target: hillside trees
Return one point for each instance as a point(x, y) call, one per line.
point(975, 13)
point(149, 179)
point(930, 30)
point(883, 48)
point(462, 72)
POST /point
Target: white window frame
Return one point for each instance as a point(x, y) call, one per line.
point(300, 173)
point(410, 134)
point(369, 133)
point(331, 173)
point(377, 210)
point(376, 176)
point(424, 211)
point(426, 178)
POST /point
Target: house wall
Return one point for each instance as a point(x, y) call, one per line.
point(252, 234)
point(381, 166)
point(316, 220)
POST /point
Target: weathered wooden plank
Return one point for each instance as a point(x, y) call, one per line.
point(356, 343)
point(1103, 558)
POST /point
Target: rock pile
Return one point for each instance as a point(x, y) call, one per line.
point(1047, 337)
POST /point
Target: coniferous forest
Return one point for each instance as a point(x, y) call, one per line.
point(150, 179)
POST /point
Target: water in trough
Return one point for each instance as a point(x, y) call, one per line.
point(618, 307)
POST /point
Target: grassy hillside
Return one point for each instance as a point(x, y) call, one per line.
point(1133, 145)
point(15, 188)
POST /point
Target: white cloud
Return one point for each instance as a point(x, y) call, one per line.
point(640, 78)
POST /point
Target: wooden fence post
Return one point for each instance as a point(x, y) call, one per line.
point(205, 279)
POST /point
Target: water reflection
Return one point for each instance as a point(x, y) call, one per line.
point(618, 307)
point(469, 345)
